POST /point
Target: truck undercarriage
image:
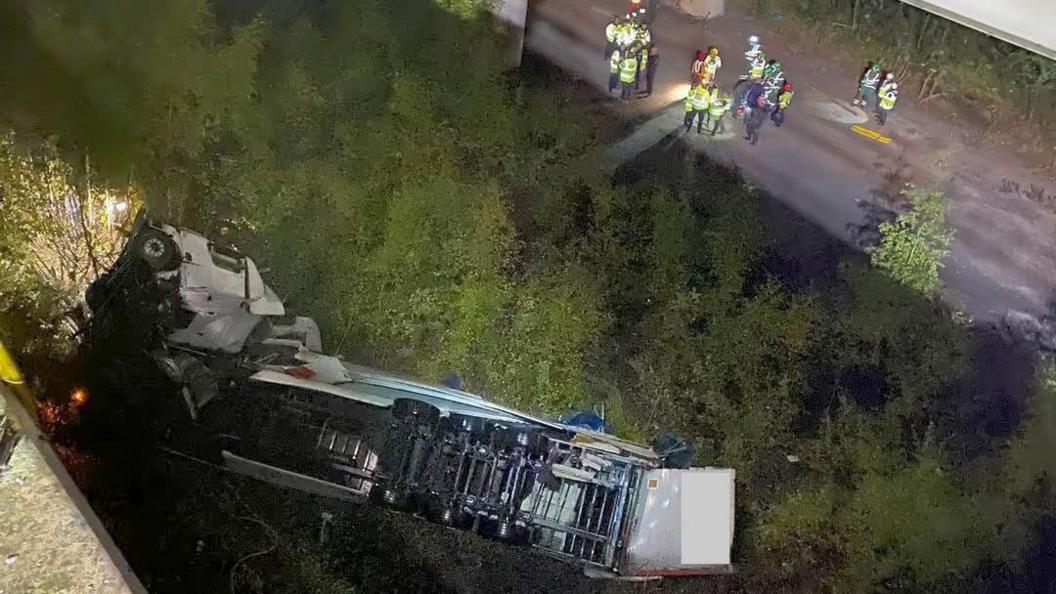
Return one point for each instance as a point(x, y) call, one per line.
point(278, 410)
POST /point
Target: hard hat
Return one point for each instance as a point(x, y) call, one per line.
point(788, 86)
point(753, 39)
point(890, 75)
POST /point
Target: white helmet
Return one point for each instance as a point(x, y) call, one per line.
point(890, 75)
point(753, 39)
point(894, 86)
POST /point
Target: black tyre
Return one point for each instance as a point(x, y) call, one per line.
point(425, 413)
point(157, 249)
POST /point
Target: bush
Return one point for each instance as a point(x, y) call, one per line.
point(912, 247)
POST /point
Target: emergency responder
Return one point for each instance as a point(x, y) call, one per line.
point(610, 35)
point(711, 66)
point(718, 108)
point(628, 72)
point(886, 103)
point(713, 96)
point(626, 34)
point(755, 120)
point(697, 103)
point(784, 99)
point(756, 66)
point(614, 70)
point(773, 80)
point(642, 35)
point(889, 80)
point(772, 68)
point(643, 64)
point(653, 62)
point(697, 67)
point(748, 97)
point(867, 84)
point(754, 49)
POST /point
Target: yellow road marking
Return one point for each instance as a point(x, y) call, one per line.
point(866, 132)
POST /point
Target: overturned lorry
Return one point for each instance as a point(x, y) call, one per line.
point(254, 383)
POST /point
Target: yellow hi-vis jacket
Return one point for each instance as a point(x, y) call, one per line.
point(784, 99)
point(610, 33)
point(628, 69)
point(758, 64)
point(698, 98)
point(887, 102)
point(718, 107)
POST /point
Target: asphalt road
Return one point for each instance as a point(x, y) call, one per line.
point(1004, 254)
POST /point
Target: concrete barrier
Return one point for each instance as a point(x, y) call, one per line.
point(50, 539)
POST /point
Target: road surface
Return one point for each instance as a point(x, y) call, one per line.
point(1003, 258)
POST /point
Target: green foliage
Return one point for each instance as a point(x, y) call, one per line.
point(911, 528)
point(58, 231)
point(151, 81)
point(435, 221)
point(912, 247)
point(1033, 462)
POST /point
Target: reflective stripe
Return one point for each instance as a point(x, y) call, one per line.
point(628, 69)
point(718, 107)
point(712, 65)
point(614, 63)
point(785, 99)
point(888, 101)
point(700, 98)
point(610, 32)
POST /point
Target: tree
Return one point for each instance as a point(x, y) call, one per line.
point(59, 229)
point(913, 246)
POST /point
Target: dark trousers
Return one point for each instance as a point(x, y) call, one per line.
point(609, 48)
point(699, 115)
point(614, 81)
point(740, 95)
point(881, 113)
point(752, 133)
point(716, 123)
point(650, 74)
point(865, 95)
point(628, 90)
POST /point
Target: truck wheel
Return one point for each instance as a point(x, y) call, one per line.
point(157, 249)
point(407, 408)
